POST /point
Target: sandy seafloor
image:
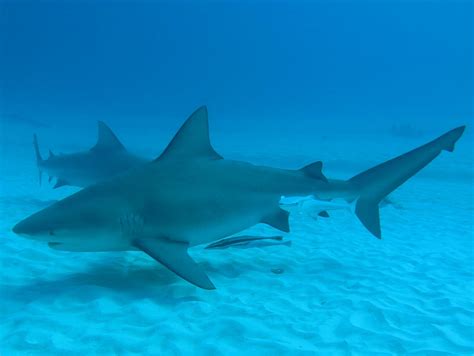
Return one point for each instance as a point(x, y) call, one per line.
point(341, 291)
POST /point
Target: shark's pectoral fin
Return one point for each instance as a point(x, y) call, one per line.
point(174, 256)
point(278, 220)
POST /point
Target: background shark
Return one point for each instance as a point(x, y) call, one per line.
point(190, 195)
point(106, 159)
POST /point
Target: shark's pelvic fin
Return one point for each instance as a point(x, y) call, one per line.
point(174, 256)
point(314, 170)
point(106, 139)
point(192, 139)
point(379, 181)
point(60, 183)
point(278, 220)
point(39, 159)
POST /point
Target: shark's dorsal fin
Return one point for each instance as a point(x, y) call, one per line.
point(314, 170)
point(192, 139)
point(51, 154)
point(106, 139)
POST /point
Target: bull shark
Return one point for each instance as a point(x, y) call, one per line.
point(107, 158)
point(191, 195)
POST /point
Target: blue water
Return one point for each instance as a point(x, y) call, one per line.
point(286, 83)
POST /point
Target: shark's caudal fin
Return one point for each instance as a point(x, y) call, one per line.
point(106, 139)
point(39, 159)
point(379, 181)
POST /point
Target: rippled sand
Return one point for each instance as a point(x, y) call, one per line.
point(341, 291)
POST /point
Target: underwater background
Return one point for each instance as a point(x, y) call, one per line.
point(351, 83)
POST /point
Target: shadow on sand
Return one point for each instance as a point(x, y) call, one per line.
point(137, 282)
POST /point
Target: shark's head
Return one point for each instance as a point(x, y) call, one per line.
point(75, 221)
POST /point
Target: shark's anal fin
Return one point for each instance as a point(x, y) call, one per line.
point(174, 256)
point(278, 220)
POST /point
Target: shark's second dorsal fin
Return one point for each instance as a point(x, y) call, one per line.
point(192, 139)
point(106, 139)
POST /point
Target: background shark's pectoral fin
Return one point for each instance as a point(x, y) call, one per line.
point(174, 256)
point(60, 183)
point(278, 220)
point(39, 159)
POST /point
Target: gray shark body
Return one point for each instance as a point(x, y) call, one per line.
point(106, 159)
point(190, 195)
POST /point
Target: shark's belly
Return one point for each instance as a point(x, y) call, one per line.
point(206, 221)
point(102, 241)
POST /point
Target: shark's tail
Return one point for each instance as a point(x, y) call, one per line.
point(377, 182)
point(39, 159)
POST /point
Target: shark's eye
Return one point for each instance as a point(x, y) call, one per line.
point(51, 233)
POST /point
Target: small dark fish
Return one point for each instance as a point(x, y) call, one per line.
point(248, 241)
point(323, 214)
point(277, 270)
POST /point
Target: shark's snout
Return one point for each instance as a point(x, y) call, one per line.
point(30, 228)
point(19, 228)
point(24, 228)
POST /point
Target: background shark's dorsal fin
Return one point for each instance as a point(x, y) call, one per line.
point(192, 139)
point(106, 139)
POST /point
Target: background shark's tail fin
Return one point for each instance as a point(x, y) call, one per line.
point(39, 159)
point(379, 181)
